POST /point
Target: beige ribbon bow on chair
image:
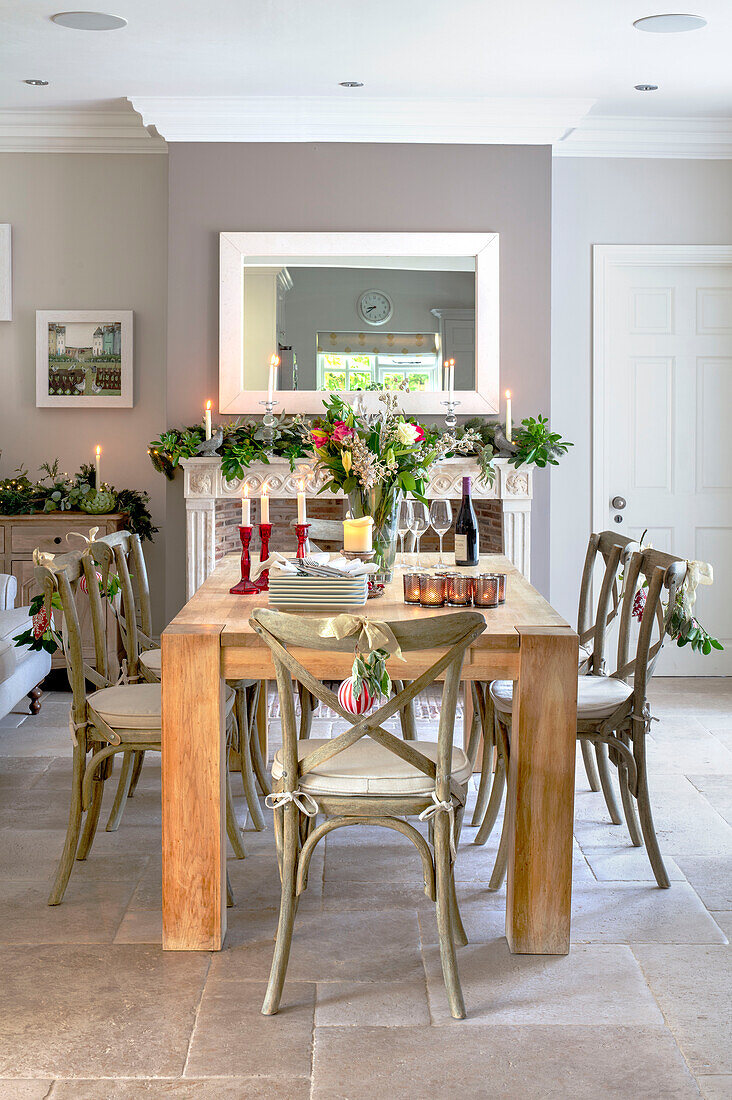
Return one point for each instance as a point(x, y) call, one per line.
point(86, 540)
point(697, 572)
point(370, 634)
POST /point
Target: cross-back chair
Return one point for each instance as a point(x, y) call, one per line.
point(121, 553)
point(115, 717)
point(614, 710)
point(368, 775)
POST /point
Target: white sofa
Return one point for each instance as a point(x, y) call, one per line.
point(21, 669)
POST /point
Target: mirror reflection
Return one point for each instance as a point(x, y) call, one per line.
point(358, 323)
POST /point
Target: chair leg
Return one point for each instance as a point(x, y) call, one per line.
point(646, 817)
point(631, 816)
point(288, 909)
point(307, 706)
point(92, 815)
point(406, 715)
point(260, 768)
point(494, 803)
point(443, 875)
point(73, 829)
point(232, 825)
point(229, 892)
point(458, 929)
point(606, 782)
point(590, 766)
point(486, 778)
point(136, 772)
point(247, 775)
point(122, 792)
point(498, 873)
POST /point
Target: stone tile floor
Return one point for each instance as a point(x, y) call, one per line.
point(91, 1009)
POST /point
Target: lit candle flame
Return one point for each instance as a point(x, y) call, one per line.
point(208, 405)
point(508, 394)
point(99, 450)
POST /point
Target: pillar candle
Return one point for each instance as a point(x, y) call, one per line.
point(264, 506)
point(208, 419)
point(508, 416)
point(357, 534)
point(99, 468)
point(301, 507)
point(272, 386)
point(246, 512)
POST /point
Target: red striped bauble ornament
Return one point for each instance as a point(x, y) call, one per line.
point(82, 583)
point(349, 701)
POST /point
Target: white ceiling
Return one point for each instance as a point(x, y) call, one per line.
point(452, 58)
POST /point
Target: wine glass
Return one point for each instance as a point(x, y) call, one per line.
point(441, 520)
point(404, 524)
point(420, 523)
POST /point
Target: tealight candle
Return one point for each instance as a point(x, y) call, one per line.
point(358, 535)
point(485, 590)
point(264, 506)
point(411, 587)
point(301, 506)
point(246, 510)
point(207, 419)
point(459, 590)
point(432, 590)
point(98, 465)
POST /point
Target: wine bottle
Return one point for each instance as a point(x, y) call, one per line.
point(466, 530)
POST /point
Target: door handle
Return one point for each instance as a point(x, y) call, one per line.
point(618, 503)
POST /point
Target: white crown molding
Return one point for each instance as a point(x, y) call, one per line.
point(621, 136)
point(76, 131)
point(354, 118)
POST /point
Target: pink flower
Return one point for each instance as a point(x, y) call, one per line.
point(420, 433)
point(319, 437)
point(341, 432)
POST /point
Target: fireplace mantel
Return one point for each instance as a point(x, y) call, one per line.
point(204, 484)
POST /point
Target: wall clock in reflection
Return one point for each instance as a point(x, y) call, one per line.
point(375, 307)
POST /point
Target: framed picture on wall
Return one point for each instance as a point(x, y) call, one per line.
point(84, 358)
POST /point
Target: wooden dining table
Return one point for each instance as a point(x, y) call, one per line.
point(210, 642)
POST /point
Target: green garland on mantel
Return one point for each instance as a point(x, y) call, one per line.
point(56, 491)
point(240, 443)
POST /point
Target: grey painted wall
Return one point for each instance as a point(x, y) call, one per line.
point(325, 299)
point(215, 187)
point(598, 201)
point(89, 231)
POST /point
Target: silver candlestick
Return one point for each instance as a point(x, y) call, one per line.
point(450, 418)
point(269, 420)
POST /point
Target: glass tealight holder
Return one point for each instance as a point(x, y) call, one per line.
point(459, 590)
point(432, 590)
point(485, 591)
point(501, 587)
point(411, 587)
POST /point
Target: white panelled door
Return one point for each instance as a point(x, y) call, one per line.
point(663, 417)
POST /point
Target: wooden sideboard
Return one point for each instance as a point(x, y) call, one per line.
point(19, 537)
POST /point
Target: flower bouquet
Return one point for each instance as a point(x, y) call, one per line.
point(375, 459)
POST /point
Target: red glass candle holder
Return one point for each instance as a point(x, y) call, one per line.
point(245, 585)
point(301, 530)
point(411, 587)
point(265, 531)
point(485, 591)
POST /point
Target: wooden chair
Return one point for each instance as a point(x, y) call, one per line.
point(121, 553)
point(116, 717)
point(322, 530)
point(368, 776)
point(614, 710)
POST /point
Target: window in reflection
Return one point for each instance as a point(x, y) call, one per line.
point(418, 373)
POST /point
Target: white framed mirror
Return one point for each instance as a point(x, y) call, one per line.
point(349, 312)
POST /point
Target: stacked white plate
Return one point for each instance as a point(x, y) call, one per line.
point(318, 593)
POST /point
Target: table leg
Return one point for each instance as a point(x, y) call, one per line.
point(541, 793)
point(194, 815)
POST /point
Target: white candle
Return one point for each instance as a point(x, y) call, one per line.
point(99, 468)
point(264, 506)
point(208, 419)
point(272, 386)
point(301, 507)
point(246, 512)
point(450, 378)
point(508, 415)
point(357, 534)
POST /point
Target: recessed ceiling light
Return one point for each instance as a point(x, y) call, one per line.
point(669, 24)
point(36, 83)
point(89, 20)
point(351, 83)
point(646, 87)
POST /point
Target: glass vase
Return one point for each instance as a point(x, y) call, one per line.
point(381, 503)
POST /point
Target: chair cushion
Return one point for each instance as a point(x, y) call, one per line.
point(152, 659)
point(369, 768)
point(597, 696)
point(128, 706)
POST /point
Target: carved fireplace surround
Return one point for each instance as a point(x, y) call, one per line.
point(207, 492)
